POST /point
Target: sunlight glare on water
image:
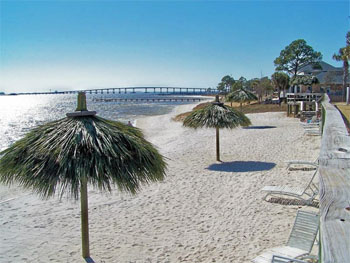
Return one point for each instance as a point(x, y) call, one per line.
point(19, 114)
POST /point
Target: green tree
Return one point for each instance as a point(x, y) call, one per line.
point(239, 84)
point(266, 84)
point(280, 81)
point(344, 56)
point(226, 84)
point(251, 83)
point(254, 85)
point(295, 56)
point(262, 87)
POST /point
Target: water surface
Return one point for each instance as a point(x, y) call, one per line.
point(19, 114)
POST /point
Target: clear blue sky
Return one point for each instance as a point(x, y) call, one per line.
point(86, 44)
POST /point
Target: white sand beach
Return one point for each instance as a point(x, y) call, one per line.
point(202, 212)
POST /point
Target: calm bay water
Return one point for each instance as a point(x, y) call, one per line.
point(19, 114)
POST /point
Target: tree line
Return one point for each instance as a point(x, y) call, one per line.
point(292, 58)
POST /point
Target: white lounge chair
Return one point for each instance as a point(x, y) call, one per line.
point(300, 241)
point(307, 194)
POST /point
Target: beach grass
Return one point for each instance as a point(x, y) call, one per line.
point(345, 110)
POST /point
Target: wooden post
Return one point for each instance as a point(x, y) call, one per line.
point(217, 145)
point(81, 102)
point(84, 219)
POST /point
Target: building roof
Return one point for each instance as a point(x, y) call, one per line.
point(325, 67)
point(333, 77)
point(327, 74)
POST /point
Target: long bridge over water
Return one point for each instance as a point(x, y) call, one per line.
point(167, 90)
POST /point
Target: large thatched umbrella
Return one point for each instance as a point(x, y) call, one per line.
point(66, 155)
point(241, 95)
point(216, 115)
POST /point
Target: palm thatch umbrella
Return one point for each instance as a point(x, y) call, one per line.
point(216, 115)
point(240, 95)
point(306, 80)
point(66, 155)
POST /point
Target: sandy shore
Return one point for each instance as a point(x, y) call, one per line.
point(202, 212)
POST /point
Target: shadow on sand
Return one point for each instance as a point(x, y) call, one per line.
point(241, 166)
point(259, 127)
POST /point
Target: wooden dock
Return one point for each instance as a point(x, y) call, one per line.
point(302, 102)
point(146, 99)
point(334, 171)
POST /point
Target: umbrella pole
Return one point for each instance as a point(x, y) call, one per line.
point(217, 145)
point(84, 219)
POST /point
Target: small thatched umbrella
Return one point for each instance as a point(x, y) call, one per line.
point(216, 115)
point(306, 80)
point(240, 95)
point(66, 155)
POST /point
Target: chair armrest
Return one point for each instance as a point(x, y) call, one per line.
point(280, 259)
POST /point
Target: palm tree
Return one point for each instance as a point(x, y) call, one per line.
point(241, 95)
point(226, 84)
point(281, 81)
point(344, 56)
point(216, 115)
point(66, 155)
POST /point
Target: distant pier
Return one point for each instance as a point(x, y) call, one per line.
point(125, 90)
point(147, 100)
